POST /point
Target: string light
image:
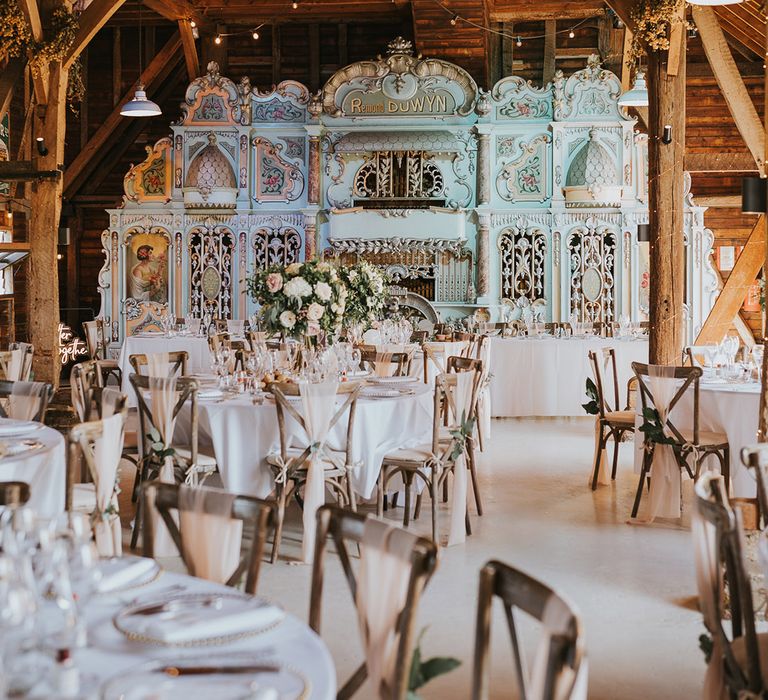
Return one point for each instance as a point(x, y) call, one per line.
point(519, 41)
point(571, 34)
point(295, 5)
point(254, 32)
point(455, 19)
point(192, 23)
point(217, 40)
point(255, 35)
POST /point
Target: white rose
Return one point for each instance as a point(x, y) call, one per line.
point(287, 319)
point(323, 291)
point(335, 308)
point(297, 287)
point(315, 311)
point(352, 275)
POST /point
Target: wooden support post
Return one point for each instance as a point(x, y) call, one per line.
point(45, 211)
point(666, 196)
point(550, 35)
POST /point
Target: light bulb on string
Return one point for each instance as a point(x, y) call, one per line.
point(217, 40)
point(519, 41)
point(192, 23)
point(295, 5)
point(255, 35)
point(454, 19)
point(571, 34)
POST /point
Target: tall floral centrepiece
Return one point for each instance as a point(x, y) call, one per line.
point(300, 300)
point(367, 298)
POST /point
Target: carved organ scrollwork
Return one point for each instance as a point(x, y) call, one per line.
point(210, 259)
point(276, 246)
point(399, 175)
point(523, 262)
point(592, 255)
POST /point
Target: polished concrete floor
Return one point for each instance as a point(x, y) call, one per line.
point(633, 585)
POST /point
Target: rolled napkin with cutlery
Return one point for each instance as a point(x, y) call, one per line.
point(178, 620)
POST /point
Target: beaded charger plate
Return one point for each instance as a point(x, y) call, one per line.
point(222, 676)
point(182, 620)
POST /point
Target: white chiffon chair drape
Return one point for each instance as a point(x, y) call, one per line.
point(26, 400)
point(107, 451)
point(460, 409)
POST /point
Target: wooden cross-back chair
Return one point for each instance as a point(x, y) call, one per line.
point(694, 355)
point(43, 391)
point(430, 462)
point(294, 461)
point(419, 337)
point(369, 356)
point(612, 422)
point(755, 457)
point(14, 493)
point(27, 353)
point(257, 516)
point(187, 456)
point(466, 364)
point(97, 342)
point(565, 650)
point(687, 441)
point(178, 359)
point(743, 651)
point(344, 528)
point(82, 469)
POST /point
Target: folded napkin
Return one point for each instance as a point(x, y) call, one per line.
point(206, 622)
point(375, 392)
point(210, 394)
point(122, 571)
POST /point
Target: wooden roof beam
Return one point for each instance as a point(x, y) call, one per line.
point(531, 13)
point(719, 162)
point(731, 83)
point(115, 124)
point(31, 12)
point(176, 10)
point(9, 77)
point(732, 295)
point(93, 18)
point(190, 49)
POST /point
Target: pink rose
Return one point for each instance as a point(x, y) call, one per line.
point(274, 282)
point(313, 328)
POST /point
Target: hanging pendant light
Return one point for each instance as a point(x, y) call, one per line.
point(638, 95)
point(710, 3)
point(753, 195)
point(140, 106)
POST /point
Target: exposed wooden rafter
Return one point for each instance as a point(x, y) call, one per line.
point(719, 162)
point(734, 291)
point(190, 49)
point(114, 125)
point(730, 82)
point(31, 12)
point(93, 18)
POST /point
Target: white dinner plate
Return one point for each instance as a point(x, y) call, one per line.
point(9, 427)
point(393, 380)
point(210, 394)
point(228, 676)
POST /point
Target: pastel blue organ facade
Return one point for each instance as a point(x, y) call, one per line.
point(476, 200)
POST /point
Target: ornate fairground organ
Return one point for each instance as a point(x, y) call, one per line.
point(471, 200)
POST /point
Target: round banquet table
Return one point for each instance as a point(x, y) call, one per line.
point(243, 434)
point(110, 654)
point(44, 468)
point(729, 408)
point(547, 376)
point(196, 347)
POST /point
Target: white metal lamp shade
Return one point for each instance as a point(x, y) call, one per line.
point(711, 3)
point(638, 95)
point(140, 106)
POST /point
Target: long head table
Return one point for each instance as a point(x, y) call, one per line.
point(547, 376)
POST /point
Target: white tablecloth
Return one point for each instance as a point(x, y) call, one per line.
point(732, 409)
point(243, 435)
point(195, 346)
point(547, 377)
point(44, 469)
point(110, 654)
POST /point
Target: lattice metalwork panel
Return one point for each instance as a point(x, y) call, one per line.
point(592, 262)
point(210, 259)
point(399, 175)
point(276, 246)
point(523, 253)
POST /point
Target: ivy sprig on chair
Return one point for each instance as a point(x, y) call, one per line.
point(653, 429)
point(159, 451)
point(461, 434)
point(592, 407)
point(424, 671)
